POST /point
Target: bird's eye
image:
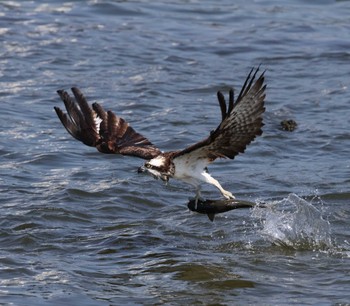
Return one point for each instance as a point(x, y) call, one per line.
point(147, 166)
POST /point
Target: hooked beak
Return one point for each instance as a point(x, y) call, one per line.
point(141, 169)
point(154, 173)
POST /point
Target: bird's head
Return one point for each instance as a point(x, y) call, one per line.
point(157, 167)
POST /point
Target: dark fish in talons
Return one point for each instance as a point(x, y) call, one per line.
point(212, 207)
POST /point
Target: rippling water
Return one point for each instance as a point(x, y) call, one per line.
point(79, 227)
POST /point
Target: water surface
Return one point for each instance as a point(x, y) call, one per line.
point(79, 227)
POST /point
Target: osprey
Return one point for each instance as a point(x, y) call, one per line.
point(241, 122)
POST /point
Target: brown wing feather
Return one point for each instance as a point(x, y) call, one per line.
point(104, 130)
point(241, 123)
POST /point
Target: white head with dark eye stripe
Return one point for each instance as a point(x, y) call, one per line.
point(158, 167)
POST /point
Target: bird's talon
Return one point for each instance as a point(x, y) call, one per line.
point(228, 195)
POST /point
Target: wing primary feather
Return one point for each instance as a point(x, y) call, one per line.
point(249, 79)
point(67, 123)
point(231, 101)
point(87, 112)
point(241, 93)
point(74, 119)
point(102, 114)
point(111, 123)
point(222, 103)
point(99, 110)
point(71, 107)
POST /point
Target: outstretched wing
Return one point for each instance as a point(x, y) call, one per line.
point(104, 130)
point(241, 123)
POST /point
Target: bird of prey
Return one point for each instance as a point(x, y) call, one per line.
point(241, 122)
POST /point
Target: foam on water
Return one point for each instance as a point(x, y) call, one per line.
point(294, 222)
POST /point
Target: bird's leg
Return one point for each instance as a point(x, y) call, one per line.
point(209, 179)
point(198, 196)
point(228, 195)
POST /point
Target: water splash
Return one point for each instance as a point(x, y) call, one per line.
point(294, 222)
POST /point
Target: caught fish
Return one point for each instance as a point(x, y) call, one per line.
point(212, 207)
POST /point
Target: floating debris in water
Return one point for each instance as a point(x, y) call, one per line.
point(289, 125)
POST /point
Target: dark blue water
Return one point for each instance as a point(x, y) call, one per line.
point(81, 228)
